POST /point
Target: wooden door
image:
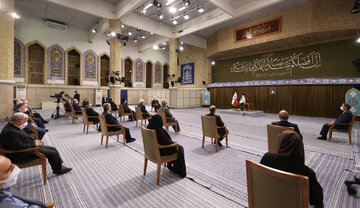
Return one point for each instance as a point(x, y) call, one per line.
point(36, 64)
point(73, 68)
point(128, 72)
point(148, 75)
point(104, 70)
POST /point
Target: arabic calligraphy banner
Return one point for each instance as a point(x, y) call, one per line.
point(56, 62)
point(187, 73)
point(90, 62)
point(139, 70)
point(321, 61)
point(265, 28)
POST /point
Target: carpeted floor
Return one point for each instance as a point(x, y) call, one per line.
point(113, 177)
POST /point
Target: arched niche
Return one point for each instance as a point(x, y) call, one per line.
point(148, 69)
point(73, 66)
point(36, 56)
point(165, 75)
point(19, 60)
point(128, 66)
point(56, 64)
point(157, 72)
point(104, 69)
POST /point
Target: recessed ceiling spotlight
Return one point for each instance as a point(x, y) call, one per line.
point(161, 16)
point(143, 11)
point(201, 10)
point(172, 10)
point(186, 17)
point(181, 48)
point(93, 30)
point(129, 33)
point(164, 43)
point(174, 21)
point(15, 15)
point(213, 63)
point(169, 2)
point(122, 25)
point(182, 43)
point(151, 33)
point(113, 34)
point(155, 47)
point(135, 40)
point(143, 36)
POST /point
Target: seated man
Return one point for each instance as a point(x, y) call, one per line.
point(168, 114)
point(104, 100)
point(12, 137)
point(68, 104)
point(76, 95)
point(241, 102)
point(16, 102)
point(114, 107)
point(8, 177)
point(110, 119)
point(23, 107)
point(76, 106)
point(291, 158)
point(345, 117)
point(41, 131)
point(90, 112)
point(127, 109)
point(34, 113)
point(284, 116)
point(155, 104)
point(221, 131)
point(84, 102)
point(145, 113)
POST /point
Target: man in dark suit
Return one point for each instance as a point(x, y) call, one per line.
point(284, 116)
point(168, 114)
point(8, 175)
point(114, 107)
point(12, 137)
point(146, 114)
point(34, 113)
point(68, 104)
point(345, 117)
point(104, 100)
point(41, 131)
point(76, 106)
point(155, 104)
point(219, 123)
point(77, 96)
point(110, 119)
point(127, 109)
point(23, 107)
point(90, 112)
point(16, 102)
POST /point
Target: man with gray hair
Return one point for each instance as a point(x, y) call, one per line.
point(146, 114)
point(12, 137)
point(169, 115)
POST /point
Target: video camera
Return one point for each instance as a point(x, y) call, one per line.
point(59, 96)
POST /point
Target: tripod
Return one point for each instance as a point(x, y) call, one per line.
point(56, 113)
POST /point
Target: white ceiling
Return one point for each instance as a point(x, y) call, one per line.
point(87, 13)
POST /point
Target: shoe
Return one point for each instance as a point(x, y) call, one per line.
point(46, 130)
point(322, 138)
point(130, 140)
point(45, 121)
point(219, 144)
point(63, 170)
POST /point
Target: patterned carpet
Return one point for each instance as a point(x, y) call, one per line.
point(113, 177)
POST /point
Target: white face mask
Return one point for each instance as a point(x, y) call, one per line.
point(22, 126)
point(26, 101)
point(11, 180)
point(341, 108)
point(90, 105)
point(26, 109)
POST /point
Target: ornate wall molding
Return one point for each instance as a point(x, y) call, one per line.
point(305, 81)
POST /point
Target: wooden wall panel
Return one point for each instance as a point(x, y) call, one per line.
point(314, 100)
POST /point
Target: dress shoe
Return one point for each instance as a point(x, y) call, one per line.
point(130, 140)
point(219, 144)
point(63, 170)
point(45, 121)
point(46, 130)
point(322, 138)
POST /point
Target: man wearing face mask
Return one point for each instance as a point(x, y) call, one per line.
point(12, 137)
point(8, 177)
point(345, 117)
point(41, 131)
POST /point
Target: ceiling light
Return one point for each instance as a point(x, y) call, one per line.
point(201, 10)
point(122, 26)
point(213, 63)
point(151, 33)
point(155, 47)
point(172, 10)
point(186, 17)
point(135, 40)
point(113, 34)
point(181, 48)
point(143, 11)
point(130, 33)
point(143, 36)
point(169, 2)
point(358, 40)
point(174, 21)
point(163, 48)
point(15, 16)
point(164, 43)
point(148, 6)
point(161, 16)
point(182, 43)
point(182, 8)
point(93, 30)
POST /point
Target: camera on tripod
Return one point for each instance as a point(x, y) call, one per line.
point(59, 96)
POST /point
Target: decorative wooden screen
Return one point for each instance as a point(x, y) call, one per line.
point(165, 74)
point(148, 75)
point(104, 70)
point(73, 68)
point(128, 71)
point(36, 64)
point(265, 28)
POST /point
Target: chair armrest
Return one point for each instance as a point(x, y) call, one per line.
point(19, 151)
point(114, 125)
point(344, 124)
point(145, 113)
point(78, 111)
point(34, 131)
point(220, 127)
point(172, 118)
point(93, 116)
point(170, 145)
point(50, 205)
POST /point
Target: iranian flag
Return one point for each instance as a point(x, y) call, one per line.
point(234, 99)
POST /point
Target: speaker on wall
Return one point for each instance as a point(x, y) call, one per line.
point(356, 63)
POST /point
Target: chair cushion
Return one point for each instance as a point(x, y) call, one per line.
point(30, 163)
point(115, 132)
point(167, 157)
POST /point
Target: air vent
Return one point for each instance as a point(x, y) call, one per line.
point(56, 26)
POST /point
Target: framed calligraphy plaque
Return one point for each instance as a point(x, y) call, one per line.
point(187, 73)
point(268, 27)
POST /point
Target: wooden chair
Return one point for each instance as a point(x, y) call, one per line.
point(152, 151)
point(269, 187)
point(67, 114)
point(164, 119)
point(50, 205)
point(209, 129)
point(122, 113)
point(139, 116)
point(349, 131)
point(41, 160)
point(35, 134)
point(104, 131)
point(273, 133)
point(74, 115)
point(249, 106)
point(87, 122)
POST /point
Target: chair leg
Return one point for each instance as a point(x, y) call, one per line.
point(158, 173)
point(124, 138)
point(203, 141)
point(136, 122)
point(216, 145)
point(107, 141)
point(84, 127)
point(350, 137)
point(87, 129)
point(141, 122)
point(145, 165)
point(102, 136)
point(176, 127)
point(44, 171)
point(330, 134)
point(227, 141)
point(212, 141)
point(117, 137)
point(165, 164)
